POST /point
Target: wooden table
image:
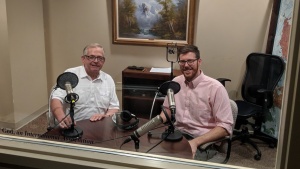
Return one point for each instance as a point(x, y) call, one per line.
point(104, 133)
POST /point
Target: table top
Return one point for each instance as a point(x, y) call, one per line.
point(104, 133)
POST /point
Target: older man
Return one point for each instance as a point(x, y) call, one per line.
point(96, 90)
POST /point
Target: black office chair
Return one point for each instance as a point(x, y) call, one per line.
point(263, 71)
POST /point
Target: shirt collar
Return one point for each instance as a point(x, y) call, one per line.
point(83, 74)
point(196, 81)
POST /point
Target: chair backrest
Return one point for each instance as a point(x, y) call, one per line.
point(263, 71)
point(234, 110)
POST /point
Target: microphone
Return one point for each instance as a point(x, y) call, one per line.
point(163, 88)
point(71, 96)
point(142, 130)
point(170, 95)
point(67, 77)
point(147, 127)
point(67, 81)
point(170, 88)
point(68, 87)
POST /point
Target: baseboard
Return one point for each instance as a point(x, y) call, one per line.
point(25, 120)
point(31, 117)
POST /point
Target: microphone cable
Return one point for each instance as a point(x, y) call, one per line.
point(151, 111)
point(130, 138)
point(49, 108)
point(59, 122)
point(163, 139)
point(167, 116)
point(126, 141)
point(52, 128)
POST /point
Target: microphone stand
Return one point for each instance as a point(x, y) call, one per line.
point(136, 143)
point(171, 134)
point(74, 131)
point(171, 78)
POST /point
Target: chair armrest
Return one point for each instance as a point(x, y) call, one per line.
point(223, 80)
point(264, 91)
point(206, 145)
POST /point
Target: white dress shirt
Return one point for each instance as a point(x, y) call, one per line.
point(95, 96)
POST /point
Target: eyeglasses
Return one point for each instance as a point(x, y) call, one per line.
point(189, 62)
point(93, 58)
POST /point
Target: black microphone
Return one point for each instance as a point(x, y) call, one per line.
point(67, 77)
point(67, 81)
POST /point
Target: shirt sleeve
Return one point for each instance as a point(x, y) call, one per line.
point(222, 110)
point(59, 94)
point(114, 101)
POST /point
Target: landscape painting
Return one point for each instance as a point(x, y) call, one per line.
point(153, 22)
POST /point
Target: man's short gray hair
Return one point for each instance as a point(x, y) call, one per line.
point(92, 45)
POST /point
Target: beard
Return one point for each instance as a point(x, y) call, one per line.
point(190, 73)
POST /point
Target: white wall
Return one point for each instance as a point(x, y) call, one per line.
point(6, 103)
point(23, 58)
point(225, 31)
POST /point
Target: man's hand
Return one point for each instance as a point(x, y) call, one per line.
point(213, 134)
point(66, 123)
point(193, 146)
point(97, 117)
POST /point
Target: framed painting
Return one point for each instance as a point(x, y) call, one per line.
point(153, 22)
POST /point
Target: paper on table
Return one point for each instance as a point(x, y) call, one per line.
point(161, 70)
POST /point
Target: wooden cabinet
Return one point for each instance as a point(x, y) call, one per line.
point(139, 88)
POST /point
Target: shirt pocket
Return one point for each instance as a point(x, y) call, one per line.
point(201, 112)
point(84, 95)
point(102, 98)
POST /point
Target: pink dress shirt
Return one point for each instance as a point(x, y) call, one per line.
point(201, 105)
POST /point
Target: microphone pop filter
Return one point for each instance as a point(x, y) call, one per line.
point(169, 85)
point(67, 77)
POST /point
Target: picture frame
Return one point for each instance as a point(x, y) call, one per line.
point(153, 23)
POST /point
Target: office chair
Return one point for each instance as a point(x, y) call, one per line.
point(225, 143)
point(263, 71)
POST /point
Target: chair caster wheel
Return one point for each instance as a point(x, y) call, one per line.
point(257, 157)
